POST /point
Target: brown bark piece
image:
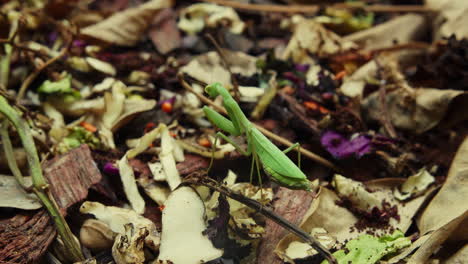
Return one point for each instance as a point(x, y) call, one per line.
point(71, 175)
point(290, 204)
point(25, 237)
point(192, 163)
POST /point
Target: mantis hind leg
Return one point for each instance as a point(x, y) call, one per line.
point(293, 146)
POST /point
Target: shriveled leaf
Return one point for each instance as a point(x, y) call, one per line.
point(128, 247)
point(312, 38)
point(183, 223)
point(127, 27)
point(438, 237)
point(209, 67)
point(196, 17)
point(451, 17)
point(117, 218)
point(96, 235)
point(417, 111)
point(450, 201)
point(14, 196)
point(403, 29)
point(164, 33)
point(414, 184)
point(299, 250)
point(154, 190)
point(356, 192)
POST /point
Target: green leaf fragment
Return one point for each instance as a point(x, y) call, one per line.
point(78, 136)
point(368, 249)
point(61, 88)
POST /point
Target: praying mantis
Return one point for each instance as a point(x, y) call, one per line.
point(264, 153)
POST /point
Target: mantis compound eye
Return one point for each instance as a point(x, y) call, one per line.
point(212, 89)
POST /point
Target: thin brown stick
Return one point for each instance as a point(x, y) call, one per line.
point(315, 8)
point(199, 179)
point(385, 118)
point(267, 133)
point(227, 65)
point(37, 71)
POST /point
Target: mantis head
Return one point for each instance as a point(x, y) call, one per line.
point(213, 89)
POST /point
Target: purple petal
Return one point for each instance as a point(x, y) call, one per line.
point(302, 67)
point(341, 147)
point(109, 168)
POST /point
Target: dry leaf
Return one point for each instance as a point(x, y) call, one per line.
point(164, 34)
point(194, 18)
point(128, 247)
point(403, 29)
point(311, 37)
point(209, 67)
point(452, 18)
point(450, 201)
point(417, 110)
point(14, 196)
point(126, 28)
point(117, 218)
point(97, 235)
point(436, 239)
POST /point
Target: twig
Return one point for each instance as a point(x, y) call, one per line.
point(227, 65)
point(385, 119)
point(315, 8)
point(260, 208)
point(37, 71)
point(40, 186)
point(267, 133)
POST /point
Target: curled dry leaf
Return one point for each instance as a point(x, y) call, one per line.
point(14, 196)
point(117, 218)
point(452, 197)
point(154, 190)
point(183, 223)
point(127, 27)
point(96, 235)
point(414, 185)
point(417, 110)
point(311, 37)
point(403, 29)
point(209, 67)
point(196, 17)
point(356, 192)
point(451, 17)
point(128, 247)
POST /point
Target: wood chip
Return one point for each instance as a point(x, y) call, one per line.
point(290, 204)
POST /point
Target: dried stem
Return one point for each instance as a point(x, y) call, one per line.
point(267, 133)
point(199, 179)
point(312, 9)
point(385, 118)
point(40, 186)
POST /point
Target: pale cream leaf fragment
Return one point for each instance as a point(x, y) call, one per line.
point(182, 239)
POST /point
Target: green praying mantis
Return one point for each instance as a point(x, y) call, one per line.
point(275, 163)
